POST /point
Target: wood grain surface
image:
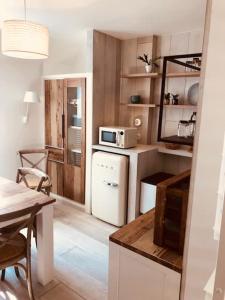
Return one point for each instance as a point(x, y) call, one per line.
point(14, 197)
point(137, 236)
point(53, 113)
point(106, 81)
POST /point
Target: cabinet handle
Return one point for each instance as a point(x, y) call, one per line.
point(63, 126)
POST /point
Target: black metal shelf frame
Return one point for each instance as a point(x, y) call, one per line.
point(173, 59)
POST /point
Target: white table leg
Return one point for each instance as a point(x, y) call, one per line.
point(45, 253)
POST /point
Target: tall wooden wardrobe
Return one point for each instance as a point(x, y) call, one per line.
point(65, 102)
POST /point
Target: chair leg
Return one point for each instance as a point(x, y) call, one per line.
point(29, 280)
point(35, 231)
point(17, 272)
point(3, 275)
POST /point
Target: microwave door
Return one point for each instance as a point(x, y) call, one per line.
point(109, 137)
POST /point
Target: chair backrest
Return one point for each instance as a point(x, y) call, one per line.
point(7, 235)
point(23, 176)
point(34, 158)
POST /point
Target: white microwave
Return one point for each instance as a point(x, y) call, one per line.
point(120, 137)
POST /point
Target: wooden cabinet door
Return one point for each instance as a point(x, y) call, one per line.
point(56, 173)
point(75, 143)
point(72, 183)
point(54, 113)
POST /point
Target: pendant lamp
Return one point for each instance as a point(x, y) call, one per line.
point(24, 39)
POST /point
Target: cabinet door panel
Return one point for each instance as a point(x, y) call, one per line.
point(134, 277)
point(56, 174)
point(72, 183)
point(75, 144)
point(54, 113)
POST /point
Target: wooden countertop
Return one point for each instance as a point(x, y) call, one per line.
point(135, 150)
point(137, 236)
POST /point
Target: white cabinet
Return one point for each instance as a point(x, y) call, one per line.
point(135, 277)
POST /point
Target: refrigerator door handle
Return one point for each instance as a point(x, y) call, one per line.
point(112, 184)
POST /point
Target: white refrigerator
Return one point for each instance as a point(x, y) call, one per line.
point(109, 187)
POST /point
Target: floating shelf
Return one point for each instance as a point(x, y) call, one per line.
point(141, 105)
point(183, 74)
point(178, 140)
point(76, 127)
point(178, 152)
point(76, 150)
point(141, 75)
point(181, 106)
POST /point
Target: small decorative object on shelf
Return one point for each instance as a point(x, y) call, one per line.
point(196, 62)
point(76, 121)
point(149, 62)
point(135, 99)
point(192, 124)
point(193, 94)
point(171, 99)
point(186, 129)
point(183, 129)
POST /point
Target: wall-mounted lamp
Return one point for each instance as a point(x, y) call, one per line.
point(29, 97)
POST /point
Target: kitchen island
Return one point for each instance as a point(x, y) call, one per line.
point(136, 264)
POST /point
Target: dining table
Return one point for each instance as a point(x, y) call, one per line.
point(15, 197)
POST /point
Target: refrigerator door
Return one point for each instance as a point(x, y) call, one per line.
point(109, 187)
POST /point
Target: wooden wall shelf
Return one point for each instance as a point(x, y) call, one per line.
point(141, 75)
point(76, 150)
point(188, 71)
point(142, 105)
point(181, 106)
point(177, 152)
point(76, 127)
point(158, 75)
point(183, 74)
point(178, 140)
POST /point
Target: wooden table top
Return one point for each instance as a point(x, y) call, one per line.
point(14, 197)
point(137, 236)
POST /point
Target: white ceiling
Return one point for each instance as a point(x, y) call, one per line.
point(122, 18)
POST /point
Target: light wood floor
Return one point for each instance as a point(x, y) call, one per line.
point(81, 260)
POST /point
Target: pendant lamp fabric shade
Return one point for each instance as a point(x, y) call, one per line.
point(24, 39)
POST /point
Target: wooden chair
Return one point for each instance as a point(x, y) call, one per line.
point(34, 173)
point(14, 246)
point(27, 177)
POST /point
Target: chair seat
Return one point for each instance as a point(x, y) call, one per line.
point(33, 182)
point(13, 251)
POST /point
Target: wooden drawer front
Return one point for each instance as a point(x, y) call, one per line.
point(56, 154)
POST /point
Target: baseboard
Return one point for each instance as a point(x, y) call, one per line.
point(68, 202)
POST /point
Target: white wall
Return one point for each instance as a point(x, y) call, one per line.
point(17, 76)
point(67, 54)
point(200, 256)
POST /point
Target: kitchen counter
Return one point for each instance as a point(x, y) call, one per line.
point(137, 236)
point(135, 150)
